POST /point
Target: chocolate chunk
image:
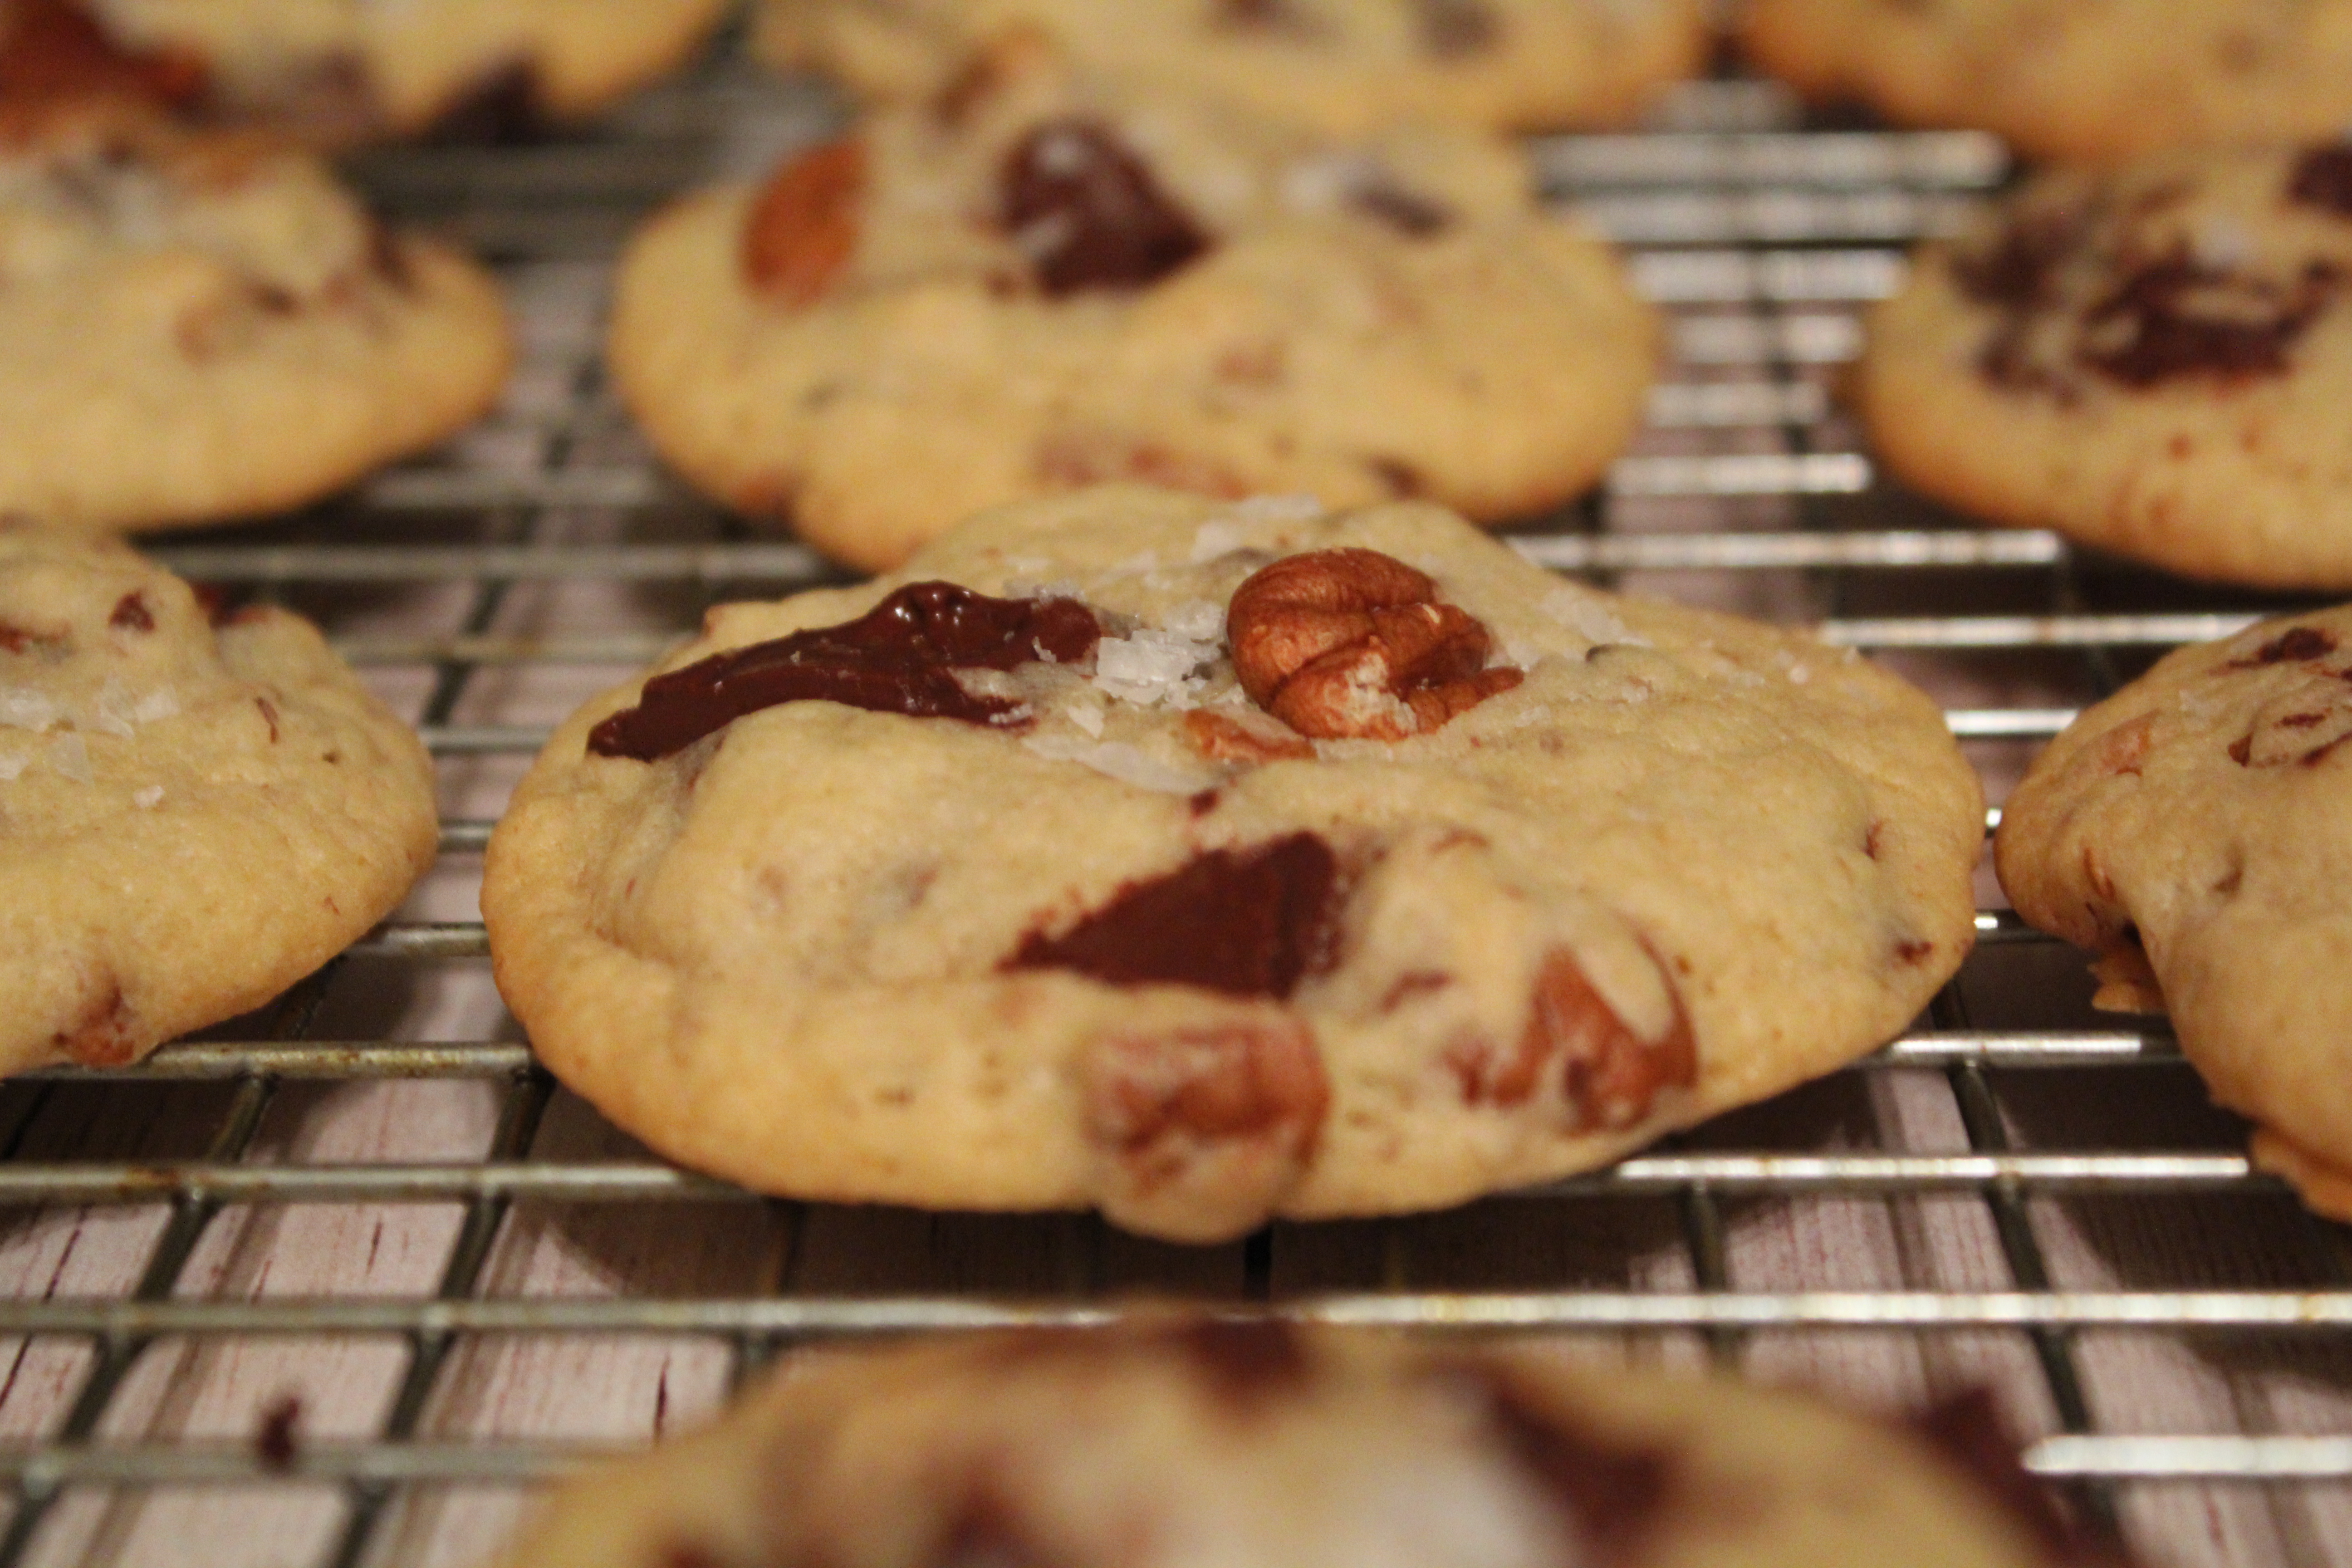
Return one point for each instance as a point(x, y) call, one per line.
point(986, 1529)
point(1967, 1430)
point(2322, 178)
point(899, 657)
point(1453, 28)
point(1246, 1366)
point(2017, 271)
point(1245, 922)
point(55, 51)
point(1614, 1494)
point(2296, 645)
point(131, 614)
point(1400, 209)
point(1088, 212)
point(2175, 317)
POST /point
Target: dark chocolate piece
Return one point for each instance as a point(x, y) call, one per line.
point(131, 614)
point(1244, 923)
point(1088, 212)
point(2322, 178)
point(2177, 318)
point(1247, 1365)
point(899, 657)
point(1614, 1494)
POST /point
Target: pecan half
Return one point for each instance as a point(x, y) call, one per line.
point(803, 228)
point(1352, 644)
point(1204, 1129)
point(1607, 1077)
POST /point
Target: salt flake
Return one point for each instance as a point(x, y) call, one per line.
point(69, 755)
point(12, 767)
point(28, 708)
point(1590, 618)
point(158, 704)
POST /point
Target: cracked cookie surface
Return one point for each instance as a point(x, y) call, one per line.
point(192, 816)
point(1169, 1442)
point(1112, 934)
point(1344, 67)
point(2074, 79)
point(1045, 283)
point(2154, 361)
point(198, 330)
point(338, 71)
point(2189, 832)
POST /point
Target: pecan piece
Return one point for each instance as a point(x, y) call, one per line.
point(1608, 1075)
point(1224, 739)
point(1204, 1129)
point(803, 228)
point(1352, 644)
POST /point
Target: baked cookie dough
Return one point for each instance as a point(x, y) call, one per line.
point(2155, 361)
point(1055, 284)
point(1242, 861)
point(1177, 1443)
point(343, 70)
point(194, 329)
point(2079, 79)
point(1343, 67)
point(2191, 830)
point(195, 817)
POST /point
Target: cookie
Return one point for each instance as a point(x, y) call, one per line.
point(1059, 285)
point(2154, 361)
point(196, 816)
point(1208, 864)
point(343, 69)
point(2080, 79)
point(2190, 831)
point(1168, 1441)
point(1343, 67)
point(199, 330)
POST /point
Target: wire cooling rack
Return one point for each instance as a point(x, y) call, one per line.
point(337, 1283)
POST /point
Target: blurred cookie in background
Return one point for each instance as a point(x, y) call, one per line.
point(2156, 361)
point(1049, 280)
point(344, 70)
point(1344, 67)
point(2082, 80)
point(197, 328)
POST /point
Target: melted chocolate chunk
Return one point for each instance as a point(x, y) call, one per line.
point(1613, 1494)
point(131, 614)
point(1248, 922)
point(1453, 28)
point(1088, 212)
point(2322, 178)
point(2176, 317)
point(53, 50)
point(1967, 1430)
point(2017, 271)
point(2296, 645)
point(899, 657)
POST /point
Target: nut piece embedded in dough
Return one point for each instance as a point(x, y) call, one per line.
point(804, 229)
point(1204, 1129)
point(1352, 644)
point(1608, 1076)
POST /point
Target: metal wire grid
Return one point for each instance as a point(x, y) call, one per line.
point(1764, 241)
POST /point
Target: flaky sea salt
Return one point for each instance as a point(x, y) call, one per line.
point(1117, 759)
point(1197, 619)
point(1151, 666)
point(148, 799)
point(111, 713)
point(69, 755)
point(157, 705)
point(1088, 716)
point(28, 708)
point(1218, 536)
point(1590, 619)
point(12, 767)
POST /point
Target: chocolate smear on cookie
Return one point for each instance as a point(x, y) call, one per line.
point(899, 657)
point(1966, 1431)
point(1087, 212)
point(2176, 317)
point(1244, 923)
point(2322, 178)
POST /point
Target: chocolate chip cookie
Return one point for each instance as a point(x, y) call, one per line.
point(196, 816)
point(1045, 284)
point(338, 71)
point(1173, 1441)
point(1344, 67)
point(1206, 863)
point(2155, 361)
point(2083, 80)
point(2190, 831)
point(194, 329)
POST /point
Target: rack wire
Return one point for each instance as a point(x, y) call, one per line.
point(2018, 1190)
